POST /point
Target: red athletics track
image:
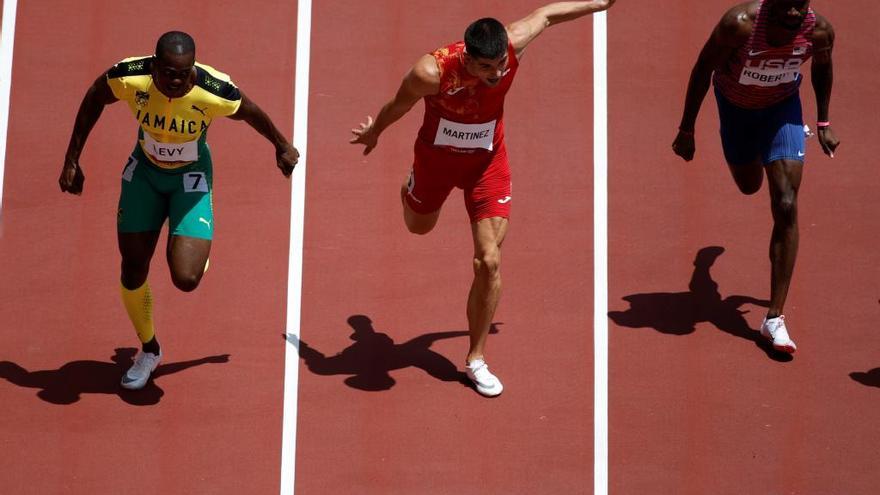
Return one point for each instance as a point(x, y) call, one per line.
point(695, 409)
point(206, 425)
point(364, 431)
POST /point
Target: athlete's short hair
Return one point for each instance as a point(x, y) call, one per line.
point(486, 38)
point(175, 43)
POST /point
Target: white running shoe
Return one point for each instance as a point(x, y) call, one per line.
point(486, 383)
point(144, 364)
point(773, 329)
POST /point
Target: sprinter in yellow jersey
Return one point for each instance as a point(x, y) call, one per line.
point(169, 174)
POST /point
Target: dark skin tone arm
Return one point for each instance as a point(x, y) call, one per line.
point(97, 97)
point(285, 154)
point(822, 75)
point(731, 32)
point(100, 95)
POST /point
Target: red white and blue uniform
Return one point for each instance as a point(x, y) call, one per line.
point(461, 141)
point(757, 94)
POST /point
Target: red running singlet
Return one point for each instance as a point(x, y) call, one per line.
point(466, 115)
point(759, 75)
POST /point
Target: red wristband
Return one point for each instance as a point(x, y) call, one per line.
point(823, 124)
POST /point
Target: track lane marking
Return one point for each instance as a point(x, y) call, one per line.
point(600, 254)
point(295, 259)
point(7, 39)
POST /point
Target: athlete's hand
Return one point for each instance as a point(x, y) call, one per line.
point(828, 140)
point(72, 177)
point(684, 146)
point(287, 157)
point(364, 135)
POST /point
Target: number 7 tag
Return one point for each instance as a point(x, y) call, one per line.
point(195, 182)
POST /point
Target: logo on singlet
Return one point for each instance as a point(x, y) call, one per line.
point(200, 110)
point(141, 98)
point(454, 90)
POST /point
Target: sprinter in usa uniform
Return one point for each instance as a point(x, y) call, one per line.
point(754, 57)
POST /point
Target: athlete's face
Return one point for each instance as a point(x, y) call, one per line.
point(174, 74)
point(789, 14)
point(490, 71)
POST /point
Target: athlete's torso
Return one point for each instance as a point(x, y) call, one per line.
point(759, 75)
point(172, 130)
point(466, 115)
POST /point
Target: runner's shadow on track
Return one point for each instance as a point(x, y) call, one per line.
point(870, 378)
point(677, 313)
point(66, 384)
point(372, 357)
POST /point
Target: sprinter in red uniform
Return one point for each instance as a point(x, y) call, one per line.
point(756, 53)
point(461, 144)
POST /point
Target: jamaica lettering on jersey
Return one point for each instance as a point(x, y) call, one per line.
point(172, 130)
point(466, 115)
point(760, 75)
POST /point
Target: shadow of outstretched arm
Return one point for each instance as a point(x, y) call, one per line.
point(170, 368)
point(14, 374)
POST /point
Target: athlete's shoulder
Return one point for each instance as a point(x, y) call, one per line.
point(215, 82)
point(822, 23)
point(132, 66)
point(429, 68)
point(737, 23)
point(823, 35)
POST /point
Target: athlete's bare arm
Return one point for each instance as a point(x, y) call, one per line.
point(285, 154)
point(422, 80)
point(97, 97)
point(524, 31)
point(731, 33)
point(822, 75)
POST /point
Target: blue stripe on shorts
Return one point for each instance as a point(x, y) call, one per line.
point(772, 133)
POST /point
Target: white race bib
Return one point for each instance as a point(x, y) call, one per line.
point(465, 136)
point(171, 152)
point(769, 73)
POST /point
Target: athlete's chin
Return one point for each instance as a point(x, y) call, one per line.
point(492, 82)
point(792, 25)
point(174, 92)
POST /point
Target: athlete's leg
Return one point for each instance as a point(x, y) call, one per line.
point(137, 250)
point(784, 179)
point(417, 223)
point(488, 235)
point(749, 176)
point(740, 141)
point(190, 224)
point(142, 211)
point(187, 257)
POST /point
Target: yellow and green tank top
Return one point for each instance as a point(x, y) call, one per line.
point(172, 130)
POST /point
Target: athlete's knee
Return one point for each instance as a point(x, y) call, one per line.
point(419, 228)
point(417, 223)
point(749, 188)
point(488, 263)
point(185, 281)
point(134, 273)
point(785, 207)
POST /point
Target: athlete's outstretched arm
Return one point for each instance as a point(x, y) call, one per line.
point(524, 31)
point(285, 154)
point(97, 97)
point(422, 80)
point(823, 75)
point(731, 32)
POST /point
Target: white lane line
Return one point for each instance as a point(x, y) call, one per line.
point(295, 260)
point(600, 254)
point(7, 38)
